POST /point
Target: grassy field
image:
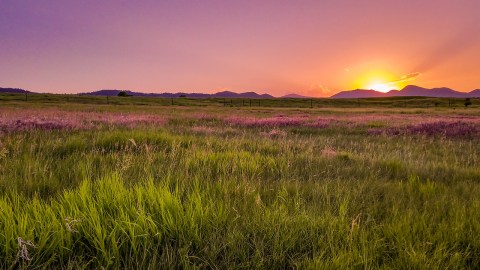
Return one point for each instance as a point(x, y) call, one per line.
point(140, 183)
point(392, 102)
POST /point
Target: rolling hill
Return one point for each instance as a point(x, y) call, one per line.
point(13, 90)
point(294, 96)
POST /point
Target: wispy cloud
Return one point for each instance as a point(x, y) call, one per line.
point(318, 90)
point(406, 78)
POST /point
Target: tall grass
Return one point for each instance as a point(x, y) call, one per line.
point(232, 196)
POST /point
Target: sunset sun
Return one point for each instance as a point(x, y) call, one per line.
point(380, 87)
point(381, 80)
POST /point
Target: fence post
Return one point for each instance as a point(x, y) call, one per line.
point(172, 101)
point(26, 96)
point(108, 102)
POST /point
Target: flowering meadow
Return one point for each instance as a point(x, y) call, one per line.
point(28, 120)
point(202, 187)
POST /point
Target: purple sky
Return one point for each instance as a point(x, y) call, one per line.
point(280, 47)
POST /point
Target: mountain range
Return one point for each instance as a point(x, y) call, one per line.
point(223, 94)
point(408, 91)
point(108, 92)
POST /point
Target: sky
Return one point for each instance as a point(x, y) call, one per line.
point(314, 48)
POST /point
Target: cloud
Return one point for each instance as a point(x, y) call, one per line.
point(317, 90)
point(406, 78)
point(411, 76)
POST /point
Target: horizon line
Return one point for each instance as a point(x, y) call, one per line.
point(231, 91)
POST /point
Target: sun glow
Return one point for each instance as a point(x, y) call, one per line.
point(380, 87)
point(379, 80)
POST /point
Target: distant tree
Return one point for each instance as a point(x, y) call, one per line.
point(467, 103)
point(123, 94)
point(182, 96)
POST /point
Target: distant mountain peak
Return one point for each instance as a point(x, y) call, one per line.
point(358, 93)
point(293, 95)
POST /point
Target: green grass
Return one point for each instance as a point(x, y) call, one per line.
point(170, 197)
point(68, 100)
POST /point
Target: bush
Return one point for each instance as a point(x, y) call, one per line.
point(123, 94)
point(468, 102)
